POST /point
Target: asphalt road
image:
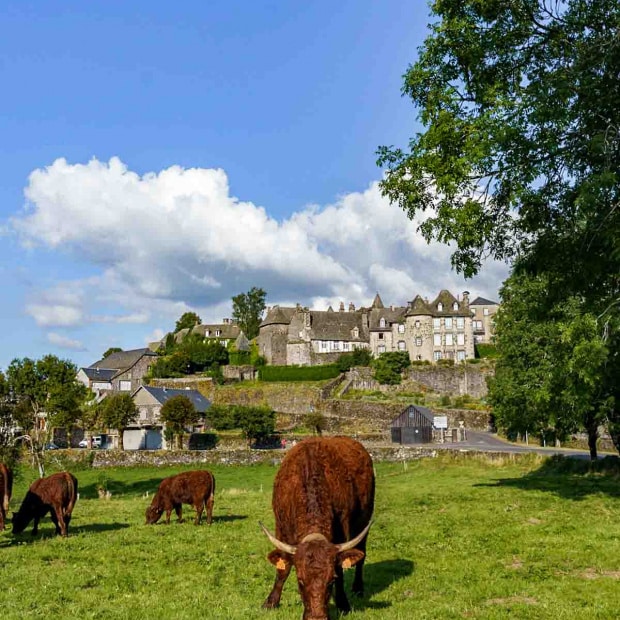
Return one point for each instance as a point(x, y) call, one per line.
point(488, 442)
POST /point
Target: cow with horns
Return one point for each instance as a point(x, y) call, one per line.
point(323, 499)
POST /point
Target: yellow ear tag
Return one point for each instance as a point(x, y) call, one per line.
point(280, 564)
point(346, 563)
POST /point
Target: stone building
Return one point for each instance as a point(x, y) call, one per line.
point(483, 313)
point(426, 330)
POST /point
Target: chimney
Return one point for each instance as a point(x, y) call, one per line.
point(341, 306)
point(466, 297)
point(226, 321)
point(351, 307)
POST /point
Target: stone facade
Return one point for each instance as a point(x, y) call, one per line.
point(483, 313)
point(426, 330)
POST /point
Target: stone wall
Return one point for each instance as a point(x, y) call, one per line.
point(455, 380)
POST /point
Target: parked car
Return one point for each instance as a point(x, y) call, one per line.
point(96, 442)
point(51, 446)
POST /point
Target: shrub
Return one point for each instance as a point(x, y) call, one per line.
point(486, 350)
point(389, 366)
point(358, 357)
point(445, 362)
point(203, 441)
point(298, 373)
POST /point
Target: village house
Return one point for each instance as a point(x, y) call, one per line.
point(426, 330)
point(483, 313)
point(225, 332)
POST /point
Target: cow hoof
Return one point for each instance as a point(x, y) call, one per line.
point(270, 604)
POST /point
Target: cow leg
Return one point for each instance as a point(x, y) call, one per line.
point(1, 518)
point(209, 505)
point(273, 600)
point(199, 507)
point(168, 513)
point(358, 581)
point(178, 508)
point(340, 598)
point(35, 527)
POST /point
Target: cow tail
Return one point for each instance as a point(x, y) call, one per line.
point(72, 485)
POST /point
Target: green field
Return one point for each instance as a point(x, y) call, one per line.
point(452, 538)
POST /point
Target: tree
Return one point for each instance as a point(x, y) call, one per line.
point(112, 350)
point(248, 310)
point(46, 395)
point(358, 357)
point(177, 413)
point(388, 367)
point(118, 412)
point(549, 378)
point(186, 321)
point(257, 423)
point(519, 158)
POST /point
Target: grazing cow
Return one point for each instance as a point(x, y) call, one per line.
point(6, 489)
point(55, 494)
point(323, 498)
point(191, 487)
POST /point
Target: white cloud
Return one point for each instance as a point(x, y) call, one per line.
point(64, 343)
point(168, 242)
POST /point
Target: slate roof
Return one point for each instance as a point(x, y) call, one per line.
point(229, 331)
point(481, 301)
point(326, 325)
point(122, 360)
point(162, 394)
point(278, 315)
point(100, 374)
point(242, 343)
point(391, 316)
point(418, 307)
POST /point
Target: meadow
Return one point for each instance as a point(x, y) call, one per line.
point(453, 537)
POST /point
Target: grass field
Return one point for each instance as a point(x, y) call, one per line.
point(452, 538)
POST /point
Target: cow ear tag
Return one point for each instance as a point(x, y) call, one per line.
point(280, 564)
point(346, 563)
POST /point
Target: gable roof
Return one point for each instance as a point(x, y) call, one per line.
point(481, 301)
point(278, 315)
point(100, 374)
point(162, 394)
point(121, 360)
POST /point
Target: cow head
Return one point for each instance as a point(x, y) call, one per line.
point(316, 561)
point(153, 512)
point(19, 522)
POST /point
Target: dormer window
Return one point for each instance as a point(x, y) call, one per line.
point(440, 307)
point(382, 322)
point(356, 332)
point(218, 332)
point(455, 305)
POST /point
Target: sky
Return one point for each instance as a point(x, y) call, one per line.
point(158, 158)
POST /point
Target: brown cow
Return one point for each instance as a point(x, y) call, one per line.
point(323, 498)
point(55, 494)
point(6, 490)
point(191, 487)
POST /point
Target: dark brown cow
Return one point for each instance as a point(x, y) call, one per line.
point(6, 490)
point(323, 498)
point(191, 487)
point(55, 494)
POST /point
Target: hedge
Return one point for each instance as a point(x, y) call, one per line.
point(298, 373)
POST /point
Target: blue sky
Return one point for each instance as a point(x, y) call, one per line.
point(161, 157)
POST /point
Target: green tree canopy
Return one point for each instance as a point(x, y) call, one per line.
point(118, 412)
point(177, 413)
point(112, 350)
point(186, 321)
point(248, 310)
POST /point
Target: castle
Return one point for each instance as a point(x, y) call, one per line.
point(446, 328)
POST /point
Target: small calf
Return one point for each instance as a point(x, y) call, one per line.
point(192, 487)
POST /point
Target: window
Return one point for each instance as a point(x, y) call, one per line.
point(356, 332)
point(401, 345)
point(417, 324)
point(437, 340)
point(124, 386)
point(382, 322)
point(381, 349)
point(440, 307)
point(323, 345)
point(345, 346)
point(401, 328)
point(218, 332)
point(460, 323)
point(418, 357)
point(455, 305)
point(418, 341)
point(449, 340)
point(460, 339)
point(336, 346)
point(380, 336)
point(436, 323)
point(485, 312)
point(448, 323)
point(436, 355)
point(207, 333)
point(460, 355)
point(478, 325)
point(144, 413)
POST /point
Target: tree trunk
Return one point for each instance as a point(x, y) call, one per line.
point(592, 439)
point(120, 438)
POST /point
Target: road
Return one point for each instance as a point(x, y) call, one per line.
point(488, 442)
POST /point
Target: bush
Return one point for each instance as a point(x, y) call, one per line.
point(486, 350)
point(203, 441)
point(389, 366)
point(298, 373)
point(223, 417)
point(358, 357)
point(239, 358)
point(445, 362)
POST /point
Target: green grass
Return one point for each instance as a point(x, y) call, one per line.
point(453, 538)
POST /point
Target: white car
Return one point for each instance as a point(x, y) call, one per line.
point(96, 442)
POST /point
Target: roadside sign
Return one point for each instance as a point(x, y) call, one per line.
point(440, 421)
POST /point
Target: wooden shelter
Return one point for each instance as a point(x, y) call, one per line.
point(413, 425)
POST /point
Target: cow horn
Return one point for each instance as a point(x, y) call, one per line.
point(278, 544)
point(352, 543)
